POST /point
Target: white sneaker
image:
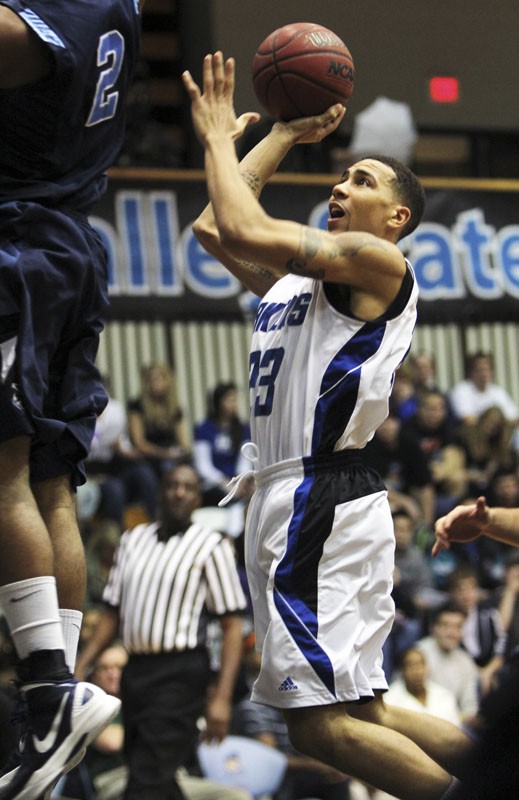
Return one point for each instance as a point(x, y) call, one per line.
point(63, 718)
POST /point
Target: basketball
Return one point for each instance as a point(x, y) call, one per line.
point(300, 70)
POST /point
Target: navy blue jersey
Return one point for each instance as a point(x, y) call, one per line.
point(59, 135)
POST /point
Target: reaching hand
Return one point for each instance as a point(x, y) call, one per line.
point(212, 109)
point(462, 524)
point(309, 130)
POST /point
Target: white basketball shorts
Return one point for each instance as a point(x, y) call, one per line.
point(319, 550)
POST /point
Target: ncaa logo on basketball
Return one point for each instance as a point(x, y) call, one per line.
point(336, 68)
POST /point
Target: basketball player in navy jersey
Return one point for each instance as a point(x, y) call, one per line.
point(65, 69)
point(335, 321)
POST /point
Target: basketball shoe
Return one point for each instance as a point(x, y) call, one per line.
point(62, 720)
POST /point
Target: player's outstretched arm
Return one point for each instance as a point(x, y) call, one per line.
point(24, 58)
point(462, 524)
point(467, 522)
point(256, 168)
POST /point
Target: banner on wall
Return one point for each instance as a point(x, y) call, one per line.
point(465, 253)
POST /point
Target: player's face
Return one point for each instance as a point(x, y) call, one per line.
point(363, 200)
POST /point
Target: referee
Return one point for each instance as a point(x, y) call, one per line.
point(168, 578)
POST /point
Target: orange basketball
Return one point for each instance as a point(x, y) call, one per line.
point(300, 70)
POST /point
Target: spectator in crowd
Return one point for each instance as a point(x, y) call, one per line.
point(217, 444)
point(402, 466)
point(483, 636)
point(119, 469)
point(450, 665)
point(507, 601)
point(167, 579)
point(414, 378)
point(91, 619)
point(488, 446)
point(155, 421)
point(100, 549)
point(413, 592)
point(504, 488)
point(470, 397)
point(413, 575)
point(432, 429)
point(402, 402)
point(503, 492)
point(422, 371)
point(305, 776)
point(414, 689)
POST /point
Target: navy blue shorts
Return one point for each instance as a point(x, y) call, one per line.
point(53, 296)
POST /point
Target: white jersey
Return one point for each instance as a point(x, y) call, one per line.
point(320, 380)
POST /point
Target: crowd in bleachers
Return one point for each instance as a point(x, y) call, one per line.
point(457, 616)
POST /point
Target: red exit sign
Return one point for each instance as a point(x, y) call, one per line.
point(444, 89)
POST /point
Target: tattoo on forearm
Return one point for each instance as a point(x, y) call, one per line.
point(259, 270)
point(253, 182)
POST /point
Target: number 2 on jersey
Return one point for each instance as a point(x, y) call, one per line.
point(110, 54)
point(263, 370)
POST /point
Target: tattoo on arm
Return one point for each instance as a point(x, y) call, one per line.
point(253, 182)
point(310, 245)
point(259, 270)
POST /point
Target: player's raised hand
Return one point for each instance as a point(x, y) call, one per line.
point(309, 130)
point(212, 107)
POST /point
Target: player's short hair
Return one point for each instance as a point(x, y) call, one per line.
point(408, 190)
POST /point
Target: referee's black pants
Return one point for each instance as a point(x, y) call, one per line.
point(163, 696)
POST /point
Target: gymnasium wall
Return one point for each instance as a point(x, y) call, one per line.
point(396, 48)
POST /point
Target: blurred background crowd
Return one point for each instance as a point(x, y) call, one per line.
point(457, 616)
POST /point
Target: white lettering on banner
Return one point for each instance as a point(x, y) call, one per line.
point(149, 254)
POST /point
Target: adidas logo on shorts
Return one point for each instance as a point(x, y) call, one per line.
point(288, 685)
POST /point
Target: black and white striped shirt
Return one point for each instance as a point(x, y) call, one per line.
point(166, 591)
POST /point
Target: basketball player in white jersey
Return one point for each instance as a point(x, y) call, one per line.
point(335, 321)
